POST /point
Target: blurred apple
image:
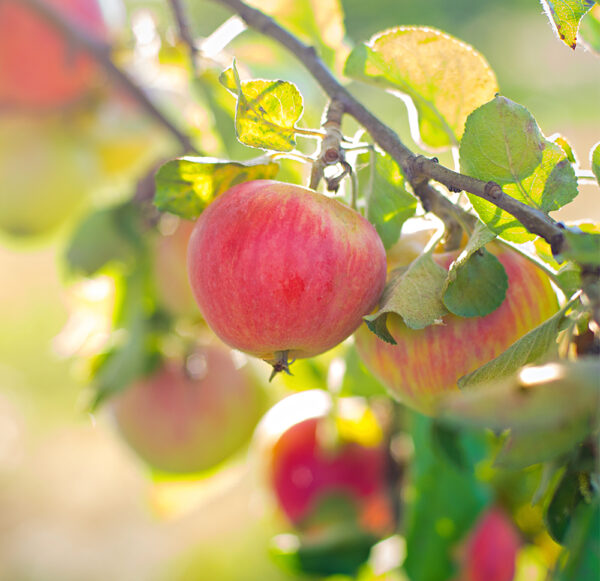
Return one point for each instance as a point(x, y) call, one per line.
point(39, 68)
point(44, 176)
point(189, 418)
point(328, 468)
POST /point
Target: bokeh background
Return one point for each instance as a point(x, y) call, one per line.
point(75, 504)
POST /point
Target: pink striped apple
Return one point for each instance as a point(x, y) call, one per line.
point(188, 419)
point(282, 271)
point(427, 363)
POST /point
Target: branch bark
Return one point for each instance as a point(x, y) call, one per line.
point(419, 169)
point(184, 30)
point(101, 53)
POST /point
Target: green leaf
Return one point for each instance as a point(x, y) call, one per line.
point(445, 78)
point(564, 144)
point(549, 410)
point(595, 160)
point(582, 543)
point(503, 143)
point(533, 347)
point(565, 16)
point(589, 29)
point(185, 186)
point(267, 111)
point(119, 230)
point(389, 204)
point(565, 499)
point(477, 287)
point(443, 505)
point(583, 247)
point(414, 293)
point(446, 441)
point(357, 379)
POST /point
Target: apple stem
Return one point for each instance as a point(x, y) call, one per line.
point(281, 364)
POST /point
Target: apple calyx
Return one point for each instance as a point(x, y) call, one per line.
point(280, 364)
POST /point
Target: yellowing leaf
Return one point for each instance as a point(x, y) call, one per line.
point(445, 78)
point(565, 15)
point(185, 186)
point(267, 111)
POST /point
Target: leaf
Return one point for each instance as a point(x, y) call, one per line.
point(582, 543)
point(389, 204)
point(445, 78)
point(503, 143)
point(595, 160)
point(565, 499)
point(119, 230)
point(563, 143)
point(537, 400)
point(477, 287)
point(185, 186)
point(444, 503)
point(267, 111)
point(357, 379)
point(447, 442)
point(582, 247)
point(533, 347)
point(565, 16)
point(413, 293)
point(589, 29)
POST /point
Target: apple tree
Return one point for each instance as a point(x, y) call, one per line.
point(442, 326)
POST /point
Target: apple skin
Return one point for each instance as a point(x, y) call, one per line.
point(491, 548)
point(178, 424)
point(39, 69)
point(427, 363)
point(278, 268)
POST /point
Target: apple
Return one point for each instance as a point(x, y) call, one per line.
point(45, 177)
point(186, 419)
point(427, 363)
point(328, 469)
point(282, 271)
point(491, 549)
point(39, 68)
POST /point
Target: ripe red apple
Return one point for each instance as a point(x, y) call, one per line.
point(426, 363)
point(491, 549)
point(327, 468)
point(185, 420)
point(39, 68)
point(279, 270)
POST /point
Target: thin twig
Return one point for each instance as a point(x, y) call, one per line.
point(419, 169)
point(184, 31)
point(101, 53)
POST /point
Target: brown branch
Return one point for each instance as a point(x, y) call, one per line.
point(184, 30)
point(419, 169)
point(101, 53)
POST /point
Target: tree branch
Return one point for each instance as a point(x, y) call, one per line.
point(184, 30)
point(101, 53)
point(418, 169)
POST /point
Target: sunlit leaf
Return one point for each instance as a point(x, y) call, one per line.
point(185, 186)
point(389, 204)
point(503, 143)
point(445, 78)
point(564, 144)
point(565, 16)
point(533, 347)
point(414, 293)
point(595, 160)
point(267, 111)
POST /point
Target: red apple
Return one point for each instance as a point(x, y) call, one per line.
point(279, 270)
point(39, 68)
point(427, 363)
point(185, 420)
point(330, 469)
point(491, 548)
